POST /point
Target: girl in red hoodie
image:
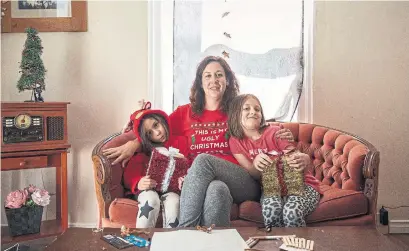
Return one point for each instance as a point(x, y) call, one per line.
point(152, 129)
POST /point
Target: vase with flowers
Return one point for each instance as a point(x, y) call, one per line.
point(24, 210)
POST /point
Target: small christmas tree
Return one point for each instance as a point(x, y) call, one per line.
point(32, 67)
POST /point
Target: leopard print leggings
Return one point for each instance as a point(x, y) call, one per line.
point(289, 211)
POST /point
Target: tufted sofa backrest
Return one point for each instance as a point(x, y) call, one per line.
point(337, 157)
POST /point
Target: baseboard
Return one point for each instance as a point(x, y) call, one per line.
point(77, 224)
point(399, 226)
point(82, 225)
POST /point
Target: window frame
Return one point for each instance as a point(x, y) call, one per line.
point(160, 58)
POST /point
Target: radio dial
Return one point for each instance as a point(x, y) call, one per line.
point(22, 121)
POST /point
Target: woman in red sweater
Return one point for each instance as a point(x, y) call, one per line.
point(215, 180)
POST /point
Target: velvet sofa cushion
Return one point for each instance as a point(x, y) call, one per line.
point(338, 203)
point(123, 211)
point(334, 204)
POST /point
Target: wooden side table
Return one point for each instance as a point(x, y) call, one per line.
point(34, 135)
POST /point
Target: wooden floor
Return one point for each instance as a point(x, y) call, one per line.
point(400, 239)
point(35, 245)
point(39, 245)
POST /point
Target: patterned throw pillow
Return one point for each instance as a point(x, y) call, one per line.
point(281, 179)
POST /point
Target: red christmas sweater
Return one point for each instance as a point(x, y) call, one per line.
point(206, 133)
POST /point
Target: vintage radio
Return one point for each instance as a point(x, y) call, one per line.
point(30, 126)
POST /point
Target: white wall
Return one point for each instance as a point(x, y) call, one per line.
point(102, 72)
point(361, 84)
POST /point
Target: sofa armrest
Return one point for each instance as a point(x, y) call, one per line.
point(371, 172)
point(107, 177)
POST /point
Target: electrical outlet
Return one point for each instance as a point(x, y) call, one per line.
point(399, 226)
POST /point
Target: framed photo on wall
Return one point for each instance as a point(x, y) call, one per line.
point(44, 15)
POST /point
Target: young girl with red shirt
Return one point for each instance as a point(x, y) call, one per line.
point(152, 129)
point(251, 142)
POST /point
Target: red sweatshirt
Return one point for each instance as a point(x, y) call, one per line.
point(206, 133)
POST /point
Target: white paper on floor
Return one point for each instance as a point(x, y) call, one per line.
point(194, 240)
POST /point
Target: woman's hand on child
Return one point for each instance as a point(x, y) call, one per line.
point(261, 161)
point(285, 134)
point(122, 153)
point(146, 183)
point(299, 161)
point(180, 182)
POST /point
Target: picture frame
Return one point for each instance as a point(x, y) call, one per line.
point(44, 16)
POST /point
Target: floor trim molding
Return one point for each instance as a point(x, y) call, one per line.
point(82, 225)
point(399, 226)
point(75, 224)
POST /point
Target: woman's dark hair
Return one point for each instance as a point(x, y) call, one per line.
point(197, 95)
point(147, 143)
point(234, 120)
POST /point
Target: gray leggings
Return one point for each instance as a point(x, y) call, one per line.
point(210, 187)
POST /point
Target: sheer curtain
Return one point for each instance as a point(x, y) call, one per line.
point(263, 41)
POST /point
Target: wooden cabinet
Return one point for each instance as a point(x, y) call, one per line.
point(34, 135)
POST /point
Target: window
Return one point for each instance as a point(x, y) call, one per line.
point(264, 41)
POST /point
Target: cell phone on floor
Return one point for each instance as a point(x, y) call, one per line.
point(116, 241)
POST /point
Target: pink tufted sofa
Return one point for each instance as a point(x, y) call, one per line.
point(346, 165)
